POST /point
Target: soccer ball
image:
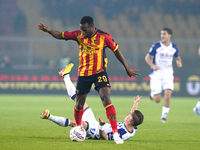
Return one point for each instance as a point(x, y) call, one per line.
point(196, 110)
point(77, 134)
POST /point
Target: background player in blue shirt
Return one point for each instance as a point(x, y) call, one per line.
point(159, 58)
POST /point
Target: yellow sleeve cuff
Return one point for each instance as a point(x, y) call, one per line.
point(116, 48)
point(149, 55)
point(63, 34)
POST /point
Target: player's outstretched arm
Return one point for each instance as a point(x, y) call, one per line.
point(136, 102)
point(55, 34)
point(102, 134)
point(179, 62)
point(120, 57)
point(149, 62)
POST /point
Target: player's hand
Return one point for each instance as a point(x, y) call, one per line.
point(132, 72)
point(101, 123)
point(179, 64)
point(137, 99)
point(42, 27)
point(155, 68)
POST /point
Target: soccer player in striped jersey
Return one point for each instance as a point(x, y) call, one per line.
point(159, 58)
point(95, 129)
point(92, 66)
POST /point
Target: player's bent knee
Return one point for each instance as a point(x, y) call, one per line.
point(157, 99)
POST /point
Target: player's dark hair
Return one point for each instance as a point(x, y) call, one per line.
point(169, 31)
point(138, 118)
point(87, 19)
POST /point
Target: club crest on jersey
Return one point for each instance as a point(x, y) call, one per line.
point(95, 41)
point(113, 117)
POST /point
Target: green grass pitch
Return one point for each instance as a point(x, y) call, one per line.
point(22, 129)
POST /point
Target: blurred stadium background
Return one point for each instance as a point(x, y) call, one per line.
point(30, 59)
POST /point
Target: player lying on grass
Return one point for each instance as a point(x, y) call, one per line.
point(96, 129)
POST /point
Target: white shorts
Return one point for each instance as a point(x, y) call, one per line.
point(158, 83)
point(93, 124)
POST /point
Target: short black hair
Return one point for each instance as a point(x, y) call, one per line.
point(169, 31)
point(87, 19)
point(138, 118)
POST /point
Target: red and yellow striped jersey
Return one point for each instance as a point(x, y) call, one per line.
point(92, 57)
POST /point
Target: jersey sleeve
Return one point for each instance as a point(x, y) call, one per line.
point(152, 50)
point(70, 35)
point(176, 54)
point(111, 43)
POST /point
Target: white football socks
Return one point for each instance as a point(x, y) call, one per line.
point(71, 90)
point(151, 94)
point(165, 111)
point(61, 121)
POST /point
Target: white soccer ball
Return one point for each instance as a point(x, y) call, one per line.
point(196, 110)
point(77, 134)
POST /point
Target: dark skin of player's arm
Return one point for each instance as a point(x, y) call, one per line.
point(55, 34)
point(129, 71)
point(102, 134)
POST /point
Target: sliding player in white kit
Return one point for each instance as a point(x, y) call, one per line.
point(159, 58)
point(96, 129)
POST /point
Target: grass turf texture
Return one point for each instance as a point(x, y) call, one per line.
point(21, 127)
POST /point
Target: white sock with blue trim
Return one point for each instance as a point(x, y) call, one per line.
point(71, 90)
point(198, 104)
point(165, 111)
point(61, 121)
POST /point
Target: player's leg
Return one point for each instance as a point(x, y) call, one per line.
point(168, 87)
point(92, 124)
point(71, 89)
point(82, 89)
point(64, 73)
point(198, 104)
point(166, 105)
point(61, 121)
point(104, 94)
point(78, 108)
point(102, 86)
point(196, 109)
point(157, 98)
point(156, 89)
point(167, 97)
